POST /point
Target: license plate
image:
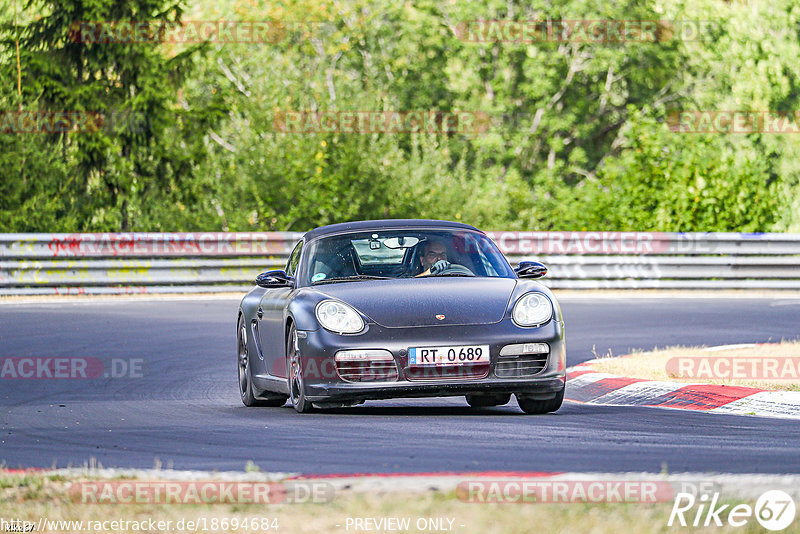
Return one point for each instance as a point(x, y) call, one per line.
point(458, 355)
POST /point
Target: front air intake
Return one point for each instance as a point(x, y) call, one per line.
point(366, 366)
point(522, 360)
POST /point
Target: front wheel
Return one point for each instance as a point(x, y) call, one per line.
point(297, 390)
point(539, 407)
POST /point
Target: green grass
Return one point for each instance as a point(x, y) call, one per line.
point(30, 496)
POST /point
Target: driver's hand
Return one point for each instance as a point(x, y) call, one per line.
point(439, 266)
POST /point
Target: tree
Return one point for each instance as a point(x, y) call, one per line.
point(138, 163)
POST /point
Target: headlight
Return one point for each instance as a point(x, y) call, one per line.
point(338, 317)
point(532, 309)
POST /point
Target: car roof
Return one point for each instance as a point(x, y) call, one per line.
point(383, 224)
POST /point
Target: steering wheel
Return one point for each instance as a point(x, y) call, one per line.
point(457, 269)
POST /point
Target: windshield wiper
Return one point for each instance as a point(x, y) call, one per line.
point(450, 274)
point(355, 278)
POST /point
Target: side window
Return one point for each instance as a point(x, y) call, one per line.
point(294, 259)
point(484, 254)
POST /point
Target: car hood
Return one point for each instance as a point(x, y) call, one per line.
point(418, 301)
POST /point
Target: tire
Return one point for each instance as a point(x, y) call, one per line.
point(245, 374)
point(294, 372)
point(480, 400)
point(539, 407)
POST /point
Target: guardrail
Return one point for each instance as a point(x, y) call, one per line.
point(213, 262)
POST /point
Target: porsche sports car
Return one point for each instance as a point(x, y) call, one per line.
point(400, 308)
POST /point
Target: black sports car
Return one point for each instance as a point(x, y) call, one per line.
point(400, 308)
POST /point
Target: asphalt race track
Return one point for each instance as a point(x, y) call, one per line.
point(184, 411)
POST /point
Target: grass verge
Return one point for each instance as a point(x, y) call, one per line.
point(30, 497)
point(773, 366)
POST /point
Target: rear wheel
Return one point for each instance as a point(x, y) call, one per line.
point(486, 400)
point(538, 407)
point(297, 390)
point(245, 374)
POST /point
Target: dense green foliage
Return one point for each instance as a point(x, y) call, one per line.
point(579, 137)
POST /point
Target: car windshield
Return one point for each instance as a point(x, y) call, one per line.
point(388, 254)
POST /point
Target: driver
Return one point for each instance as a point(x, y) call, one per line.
point(433, 258)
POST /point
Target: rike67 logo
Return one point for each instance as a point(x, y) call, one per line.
point(774, 510)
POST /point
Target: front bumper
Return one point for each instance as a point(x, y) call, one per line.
point(322, 383)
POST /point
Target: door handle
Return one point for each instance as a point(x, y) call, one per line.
point(260, 312)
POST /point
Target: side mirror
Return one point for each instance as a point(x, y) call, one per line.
point(531, 269)
point(273, 279)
